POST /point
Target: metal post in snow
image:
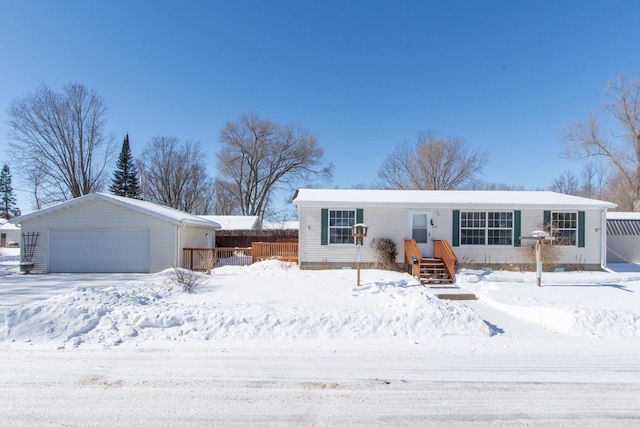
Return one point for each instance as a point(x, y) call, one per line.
point(359, 231)
point(358, 258)
point(538, 260)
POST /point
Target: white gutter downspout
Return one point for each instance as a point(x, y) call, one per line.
point(177, 262)
point(603, 239)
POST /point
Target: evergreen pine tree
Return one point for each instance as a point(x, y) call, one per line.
point(125, 178)
point(8, 207)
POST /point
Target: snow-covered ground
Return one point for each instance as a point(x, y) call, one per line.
point(271, 344)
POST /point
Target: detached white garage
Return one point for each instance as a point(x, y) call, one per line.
point(103, 233)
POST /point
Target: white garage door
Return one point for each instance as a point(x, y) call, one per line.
point(99, 251)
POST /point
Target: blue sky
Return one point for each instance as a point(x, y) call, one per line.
point(362, 75)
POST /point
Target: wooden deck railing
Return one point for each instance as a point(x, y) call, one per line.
point(412, 256)
point(284, 251)
point(443, 250)
point(205, 259)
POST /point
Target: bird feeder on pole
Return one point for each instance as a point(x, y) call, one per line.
point(359, 232)
point(539, 236)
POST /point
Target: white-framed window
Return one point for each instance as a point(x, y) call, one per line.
point(486, 228)
point(473, 227)
point(340, 226)
point(564, 227)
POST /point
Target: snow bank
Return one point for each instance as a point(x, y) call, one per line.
point(265, 301)
point(274, 300)
point(586, 304)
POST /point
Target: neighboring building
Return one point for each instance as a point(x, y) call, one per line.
point(623, 237)
point(103, 233)
point(281, 225)
point(9, 235)
point(483, 227)
point(235, 222)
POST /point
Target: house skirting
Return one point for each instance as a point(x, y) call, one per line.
point(531, 267)
point(474, 266)
point(341, 265)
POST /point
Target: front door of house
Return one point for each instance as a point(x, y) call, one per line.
point(420, 231)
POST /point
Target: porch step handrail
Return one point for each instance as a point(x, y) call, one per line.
point(412, 257)
point(443, 250)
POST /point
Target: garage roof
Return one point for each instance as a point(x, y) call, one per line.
point(164, 212)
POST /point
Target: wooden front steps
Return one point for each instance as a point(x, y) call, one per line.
point(434, 272)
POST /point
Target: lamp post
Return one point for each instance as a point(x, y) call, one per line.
point(359, 231)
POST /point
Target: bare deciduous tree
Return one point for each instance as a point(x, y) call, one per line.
point(593, 178)
point(591, 182)
point(175, 175)
point(259, 157)
point(493, 186)
point(434, 162)
point(566, 183)
point(620, 147)
point(620, 193)
point(60, 138)
point(226, 203)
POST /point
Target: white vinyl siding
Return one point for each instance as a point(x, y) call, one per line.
point(624, 249)
point(392, 222)
point(310, 247)
point(196, 237)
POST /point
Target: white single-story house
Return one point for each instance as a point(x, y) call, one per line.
point(235, 222)
point(484, 228)
point(103, 233)
point(623, 237)
point(9, 235)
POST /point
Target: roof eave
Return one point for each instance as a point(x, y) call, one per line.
point(454, 205)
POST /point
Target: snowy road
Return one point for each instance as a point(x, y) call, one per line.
point(318, 385)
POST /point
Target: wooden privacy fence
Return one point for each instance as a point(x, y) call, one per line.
point(205, 259)
point(285, 251)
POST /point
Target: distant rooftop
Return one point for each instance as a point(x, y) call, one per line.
point(235, 222)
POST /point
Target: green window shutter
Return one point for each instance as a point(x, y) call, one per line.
point(581, 229)
point(516, 228)
point(359, 216)
point(546, 221)
point(324, 225)
point(455, 240)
